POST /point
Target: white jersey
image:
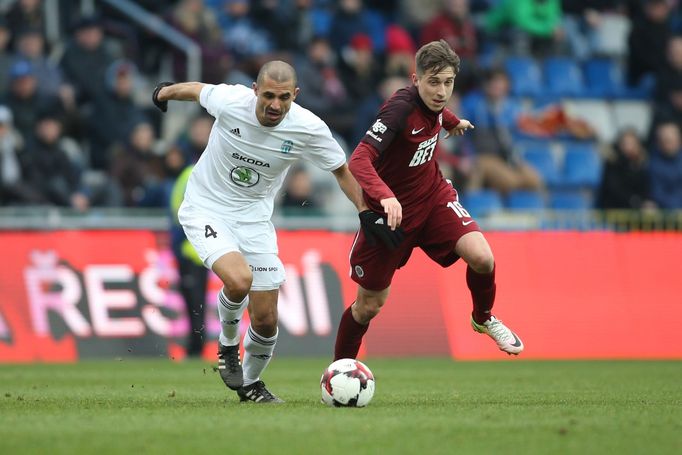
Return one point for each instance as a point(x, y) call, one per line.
point(245, 163)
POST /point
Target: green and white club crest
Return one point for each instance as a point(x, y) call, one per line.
point(286, 146)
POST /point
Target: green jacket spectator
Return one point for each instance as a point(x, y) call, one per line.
point(181, 246)
point(538, 18)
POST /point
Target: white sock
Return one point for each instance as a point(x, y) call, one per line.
point(257, 353)
point(230, 314)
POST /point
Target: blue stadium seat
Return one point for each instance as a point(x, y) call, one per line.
point(569, 200)
point(540, 157)
point(544, 101)
point(582, 166)
point(603, 78)
point(642, 91)
point(321, 21)
point(524, 75)
point(377, 29)
point(482, 202)
point(525, 200)
point(563, 77)
point(487, 57)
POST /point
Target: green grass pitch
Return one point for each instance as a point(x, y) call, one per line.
point(421, 406)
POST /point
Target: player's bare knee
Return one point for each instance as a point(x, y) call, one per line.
point(372, 309)
point(365, 310)
point(481, 261)
point(366, 314)
point(264, 323)
point(238, 286)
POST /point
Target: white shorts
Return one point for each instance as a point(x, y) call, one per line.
point(212, 237)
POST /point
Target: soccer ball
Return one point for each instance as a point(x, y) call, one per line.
point(347, 382)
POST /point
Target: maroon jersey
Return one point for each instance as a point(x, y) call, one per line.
point(398, 156)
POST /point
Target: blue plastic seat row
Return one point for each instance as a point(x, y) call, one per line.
point(482, 203)
point(581, 166)
point(564, 77)
point(556, 200)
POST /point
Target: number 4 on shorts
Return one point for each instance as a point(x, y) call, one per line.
point(209, 232)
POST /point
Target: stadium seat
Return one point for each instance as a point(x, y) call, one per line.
point(642, 91)
point(562, 77)
point(582, 166)
point(603, 78)
point(569, 200)
point(321, 21)
point(597, 113)
point(632, 114)
point(487, 57)
point(482, 202)
point(377, 29)
point(544, 101)
point(525, 200)
point(612, 34)
point(541, 158)
point(524, 75)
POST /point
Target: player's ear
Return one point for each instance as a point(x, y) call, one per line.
point(297, 90)
point(254, 86)
point(415, 79)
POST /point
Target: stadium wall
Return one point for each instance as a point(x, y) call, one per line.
point(68, 295)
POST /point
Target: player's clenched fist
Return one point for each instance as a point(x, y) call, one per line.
point(162, 105)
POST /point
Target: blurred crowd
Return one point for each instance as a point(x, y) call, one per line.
point(77, 128)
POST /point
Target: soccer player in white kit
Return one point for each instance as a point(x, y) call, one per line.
point(257, 135)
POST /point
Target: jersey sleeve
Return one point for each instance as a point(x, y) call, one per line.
point(362, 168)
point(388, 123)
point(450, 120)
point(216, 98)
point(322, 150)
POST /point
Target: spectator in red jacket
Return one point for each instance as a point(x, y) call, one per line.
point(454, 25)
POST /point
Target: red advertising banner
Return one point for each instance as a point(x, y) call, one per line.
point(76, 294)
point(579, 295)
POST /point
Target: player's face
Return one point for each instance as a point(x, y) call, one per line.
point(435, 89)
point(274, 100)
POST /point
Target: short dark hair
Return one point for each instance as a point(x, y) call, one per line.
point(436, 56)
point(278, 71)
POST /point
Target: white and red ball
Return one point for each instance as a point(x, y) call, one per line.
point(347, 382)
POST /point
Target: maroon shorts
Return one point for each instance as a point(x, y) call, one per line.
point(373, 266)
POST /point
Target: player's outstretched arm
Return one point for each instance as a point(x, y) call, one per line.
point(350, 186)
point(460, 129)
point(169, 91)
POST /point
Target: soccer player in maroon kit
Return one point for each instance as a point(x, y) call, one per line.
point(395, 164)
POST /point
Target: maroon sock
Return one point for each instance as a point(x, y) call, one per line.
point(482, 287)
point(349, 336)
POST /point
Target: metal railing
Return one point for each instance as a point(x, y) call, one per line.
point(51, 16)
point(5, 5)
point(157, 25)
point(52, 218)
